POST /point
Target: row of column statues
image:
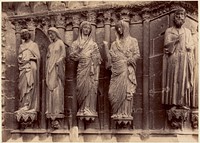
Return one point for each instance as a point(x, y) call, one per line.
point(178, 71)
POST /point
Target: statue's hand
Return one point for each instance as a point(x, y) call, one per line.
point(129, 97)
point(105, 42)
point(188, 49)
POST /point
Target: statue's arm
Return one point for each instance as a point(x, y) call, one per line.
point(135, 55)
point(169, 43)
point(62, 52)
point(190, 42)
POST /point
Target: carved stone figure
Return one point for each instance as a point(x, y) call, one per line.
point(29, 61)
point(124, 53)
point(85, 51)
point(178, 64)
point(55, 77)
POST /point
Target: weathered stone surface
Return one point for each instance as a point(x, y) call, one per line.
point(40, 7)
point(137, 101)
point(11, 56)
point(28, 137)
point(139, 67)
point(9, 88)
point(68, 37)
point(11, 73)
point(161, 23)
point(23, 8)
point(123, 138)
point(6, 135)
point(139, 84)
point(158, 45)
point(60, 138)
point(156, 101)
point(137, 119)
point(10, 121)
point(157, 119)
point(136, 32)
point(10, 105)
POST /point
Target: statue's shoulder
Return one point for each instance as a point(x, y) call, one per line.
point(187, 30)
point(169, 29)
point(133, 39)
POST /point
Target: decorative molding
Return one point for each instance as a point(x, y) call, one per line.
point(60, 21)
point(26, 118)
point(177, 117)
point(18, 26)
point(30, 24)
point(194, 119)
point(146, 13)
point(107, 17)
point(135, 17)
point(91, 17)
point(125, 15)
point(154, 9)
point(76, 20)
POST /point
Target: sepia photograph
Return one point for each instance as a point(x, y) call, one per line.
point(99, 71)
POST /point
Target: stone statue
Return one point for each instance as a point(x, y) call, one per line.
point(55, 77)
point(178, 66)
point(29, 61)
point(85, 51)
point(196, 65)
point(124, 53)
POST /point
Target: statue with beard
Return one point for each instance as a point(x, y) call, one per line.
point(178, 64)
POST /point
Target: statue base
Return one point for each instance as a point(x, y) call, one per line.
point(26, 117)
point(125, 121)
point(55, 120)
point(194, 119)
point(87, 118)
point(177, 117)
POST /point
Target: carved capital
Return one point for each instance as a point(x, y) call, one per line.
point(177, 117)
point(135, 17)
point(26, 118)
point(76, 20)
point(107, 17)
point(4, 21)
point(91, 17)
point(60, 21)
point(17, 26)
point(125, 15)
point(194, 119)
point(30, 24)
point(146, 13)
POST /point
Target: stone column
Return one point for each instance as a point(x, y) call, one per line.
point(107, 73)
point(31, 28)
point(17, 34)
point(71, 67)
point(75, 24)
point(91, 17)
point(60, 25)
point(146, 51)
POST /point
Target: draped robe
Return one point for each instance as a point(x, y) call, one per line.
point(89, 60)
point(178, 67)
point(29, 60)
point(123, 79)
point(55, 77)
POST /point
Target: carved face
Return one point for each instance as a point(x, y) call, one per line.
point(119, 29)
point(86, 29)
point(52, 35)
point(25, 35)
point(179, 18)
